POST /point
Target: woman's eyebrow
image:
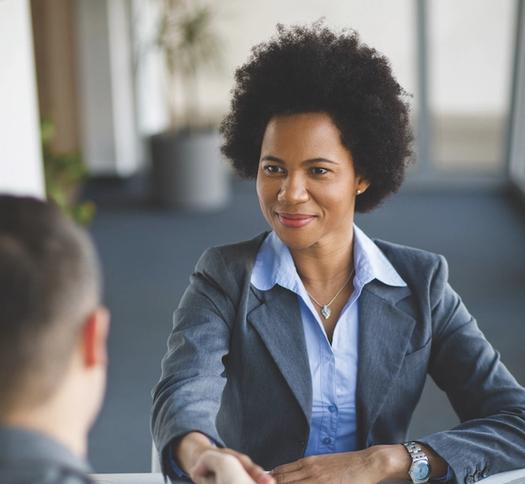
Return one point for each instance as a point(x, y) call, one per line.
point(309, 161)
point(318, 160)
point(272, 158)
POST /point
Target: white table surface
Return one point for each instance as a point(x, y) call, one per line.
point(150, 478)
point(512, 477)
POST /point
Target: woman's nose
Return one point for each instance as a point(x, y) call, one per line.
point(293, 190)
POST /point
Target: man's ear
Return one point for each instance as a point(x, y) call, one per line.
point(94, 337)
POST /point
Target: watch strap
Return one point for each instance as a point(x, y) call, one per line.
point(416, 454)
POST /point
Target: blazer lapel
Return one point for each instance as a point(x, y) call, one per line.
point(277, 319)
point(384, 333)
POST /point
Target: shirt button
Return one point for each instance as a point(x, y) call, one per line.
point(332, 408)
point(327, 440)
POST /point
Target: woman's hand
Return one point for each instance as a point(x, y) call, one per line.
point(221, 466)
point(347, 467)
point(368, 466)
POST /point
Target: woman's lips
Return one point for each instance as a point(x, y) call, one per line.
point(294, 220)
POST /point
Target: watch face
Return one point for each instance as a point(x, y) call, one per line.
point(420, 471)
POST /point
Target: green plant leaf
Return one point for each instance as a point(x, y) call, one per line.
point(64, 175)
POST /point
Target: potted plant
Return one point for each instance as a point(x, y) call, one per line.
point(64, 175)
point(187, 167)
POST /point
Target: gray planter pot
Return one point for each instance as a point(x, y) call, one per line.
point(187, 170)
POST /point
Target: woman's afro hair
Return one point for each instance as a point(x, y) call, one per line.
point(313, 69)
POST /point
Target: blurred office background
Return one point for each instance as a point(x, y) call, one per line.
point(93, 71)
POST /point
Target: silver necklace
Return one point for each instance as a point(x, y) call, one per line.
point(325, 308)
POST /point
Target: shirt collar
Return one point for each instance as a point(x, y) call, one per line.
point(371, 263)
point(274, 264)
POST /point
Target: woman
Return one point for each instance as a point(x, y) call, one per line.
point(307, 348)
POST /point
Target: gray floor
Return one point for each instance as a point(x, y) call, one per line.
point(148, 255)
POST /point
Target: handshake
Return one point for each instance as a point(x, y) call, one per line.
point(216, 466)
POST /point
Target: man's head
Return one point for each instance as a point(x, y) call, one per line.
point(52, 327)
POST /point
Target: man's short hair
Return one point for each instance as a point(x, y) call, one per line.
point(49, 283)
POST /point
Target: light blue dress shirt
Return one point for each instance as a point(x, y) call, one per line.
point(333, 367)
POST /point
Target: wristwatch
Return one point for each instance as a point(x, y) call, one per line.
point(419, 471)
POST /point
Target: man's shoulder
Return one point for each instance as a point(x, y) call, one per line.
point(40, 472)
point(30, 457)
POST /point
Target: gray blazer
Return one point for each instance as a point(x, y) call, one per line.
point(237, 370)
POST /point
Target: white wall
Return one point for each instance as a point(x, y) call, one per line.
point(109, 137)
point(20, 152)
point(152, 115)
point(471, 52)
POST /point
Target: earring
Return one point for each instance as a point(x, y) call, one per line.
point(358, 191)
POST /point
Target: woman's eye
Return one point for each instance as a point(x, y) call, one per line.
point(273, 169)
point(317, 170)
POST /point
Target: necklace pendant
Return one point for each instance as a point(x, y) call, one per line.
point(326, 311)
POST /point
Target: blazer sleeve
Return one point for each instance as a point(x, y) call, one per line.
point(488, 400)
point(188, 395)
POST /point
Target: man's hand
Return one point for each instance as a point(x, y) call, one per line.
point(223, 466)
